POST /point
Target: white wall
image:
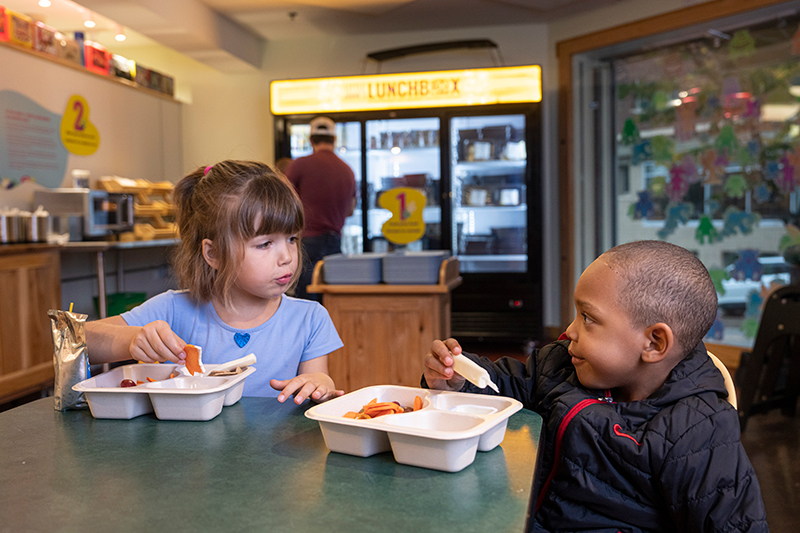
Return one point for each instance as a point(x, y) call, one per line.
point(140, 134)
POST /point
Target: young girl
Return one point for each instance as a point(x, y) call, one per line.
point(239, 253)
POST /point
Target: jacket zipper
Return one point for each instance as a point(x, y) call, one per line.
point(562, 427)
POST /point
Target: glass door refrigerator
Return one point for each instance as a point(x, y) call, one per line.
point(479, 168)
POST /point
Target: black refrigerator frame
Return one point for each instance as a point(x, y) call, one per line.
point(496, 307)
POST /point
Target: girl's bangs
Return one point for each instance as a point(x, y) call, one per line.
point(268, 216)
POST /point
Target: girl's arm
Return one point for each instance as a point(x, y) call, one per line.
point(312, 381)
point(112, 339)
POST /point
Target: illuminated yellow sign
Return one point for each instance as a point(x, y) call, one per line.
point(506, 85)
point(406, 205)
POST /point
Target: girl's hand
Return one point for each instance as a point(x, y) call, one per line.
point(155, 342)
point(316, 385)
point(438, 366)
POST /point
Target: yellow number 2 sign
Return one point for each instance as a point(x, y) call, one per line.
point(406, 205)
point(78, 134)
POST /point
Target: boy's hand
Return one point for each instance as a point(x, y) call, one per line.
point(155, 342)
point(438, 366)
point(316, 385)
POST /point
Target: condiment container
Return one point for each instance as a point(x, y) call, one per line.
point(9, 226)
point(39, 227)
point(24, 220)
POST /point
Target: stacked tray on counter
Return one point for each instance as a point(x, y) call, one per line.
point(401, 268)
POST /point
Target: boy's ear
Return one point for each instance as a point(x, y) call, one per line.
point(209, 255)
point(660, 341)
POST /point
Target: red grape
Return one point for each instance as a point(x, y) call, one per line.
point(127, 383)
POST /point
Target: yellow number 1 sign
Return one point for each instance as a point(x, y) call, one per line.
point(406, 205)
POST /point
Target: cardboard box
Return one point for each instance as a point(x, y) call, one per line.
point(69, 49)
point(98, 58)
point(44, 39)
point(20, 29)
point(122, 67)
point(142, 76)
point(4, 26)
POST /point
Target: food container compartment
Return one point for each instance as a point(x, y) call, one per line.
point(359, 269)
point(179, 398)
point(444, 435)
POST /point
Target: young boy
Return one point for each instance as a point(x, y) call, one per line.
point(638, 435)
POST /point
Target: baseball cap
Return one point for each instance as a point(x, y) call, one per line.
point(323, 126)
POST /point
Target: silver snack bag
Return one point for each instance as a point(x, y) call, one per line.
point(70, 358)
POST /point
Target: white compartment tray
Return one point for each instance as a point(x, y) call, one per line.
point(179, 398)
point(443, 435)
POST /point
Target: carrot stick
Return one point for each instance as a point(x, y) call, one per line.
point(417, 403)
point(192, 359)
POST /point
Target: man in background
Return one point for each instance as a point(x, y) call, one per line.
point(327, 188)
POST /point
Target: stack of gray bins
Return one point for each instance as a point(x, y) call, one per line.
point(413, 268)
point(356, 269)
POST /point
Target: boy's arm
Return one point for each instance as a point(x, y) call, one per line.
point(708, 481)
point(513, 378)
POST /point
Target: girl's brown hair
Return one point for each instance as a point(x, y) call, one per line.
point(229, 203)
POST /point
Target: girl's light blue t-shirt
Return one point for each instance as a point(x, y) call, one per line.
point(300, 330)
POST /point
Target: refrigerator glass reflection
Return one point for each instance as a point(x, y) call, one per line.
point(403, 153)
point(348, 148)
point(489, 224)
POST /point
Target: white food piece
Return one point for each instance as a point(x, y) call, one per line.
point(473, 372)
point(243, 362)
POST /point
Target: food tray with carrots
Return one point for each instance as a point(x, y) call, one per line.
point(157, 388)
point(433, 429)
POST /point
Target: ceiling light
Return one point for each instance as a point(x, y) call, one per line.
point(395, 150)
point(120, 36)
point(89, 23)
point(45, 3)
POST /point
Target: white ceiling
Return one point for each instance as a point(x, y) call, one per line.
point(214, 31)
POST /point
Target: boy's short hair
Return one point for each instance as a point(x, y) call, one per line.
point(665, 283)
point(229, 203)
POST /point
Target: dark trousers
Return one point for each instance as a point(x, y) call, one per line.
point(314, 249)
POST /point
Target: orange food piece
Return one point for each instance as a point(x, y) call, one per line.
point(192, 359)
point(151, 380)
point(139, 381)
point(417, 403)
point(351, 414)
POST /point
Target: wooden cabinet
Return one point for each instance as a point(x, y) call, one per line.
point(386, 329)
point(30, 285)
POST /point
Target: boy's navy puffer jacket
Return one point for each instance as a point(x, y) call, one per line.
point(672, 462)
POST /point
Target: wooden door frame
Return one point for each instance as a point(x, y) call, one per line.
point(565, 52)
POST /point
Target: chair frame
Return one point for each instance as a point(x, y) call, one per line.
point(769, 376)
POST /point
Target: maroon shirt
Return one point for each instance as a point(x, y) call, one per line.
point(326, 186)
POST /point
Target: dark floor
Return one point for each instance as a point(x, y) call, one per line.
point(772, 442)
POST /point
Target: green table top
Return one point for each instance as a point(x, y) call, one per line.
point(258, 466)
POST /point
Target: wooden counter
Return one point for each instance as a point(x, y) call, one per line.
point(386, 329)
point(30, 285)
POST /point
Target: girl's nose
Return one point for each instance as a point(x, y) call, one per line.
point(285, 255)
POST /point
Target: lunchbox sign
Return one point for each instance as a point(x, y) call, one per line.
point(447, 88)
point(406, 205)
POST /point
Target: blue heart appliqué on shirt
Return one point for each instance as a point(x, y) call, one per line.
point(241, 339)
